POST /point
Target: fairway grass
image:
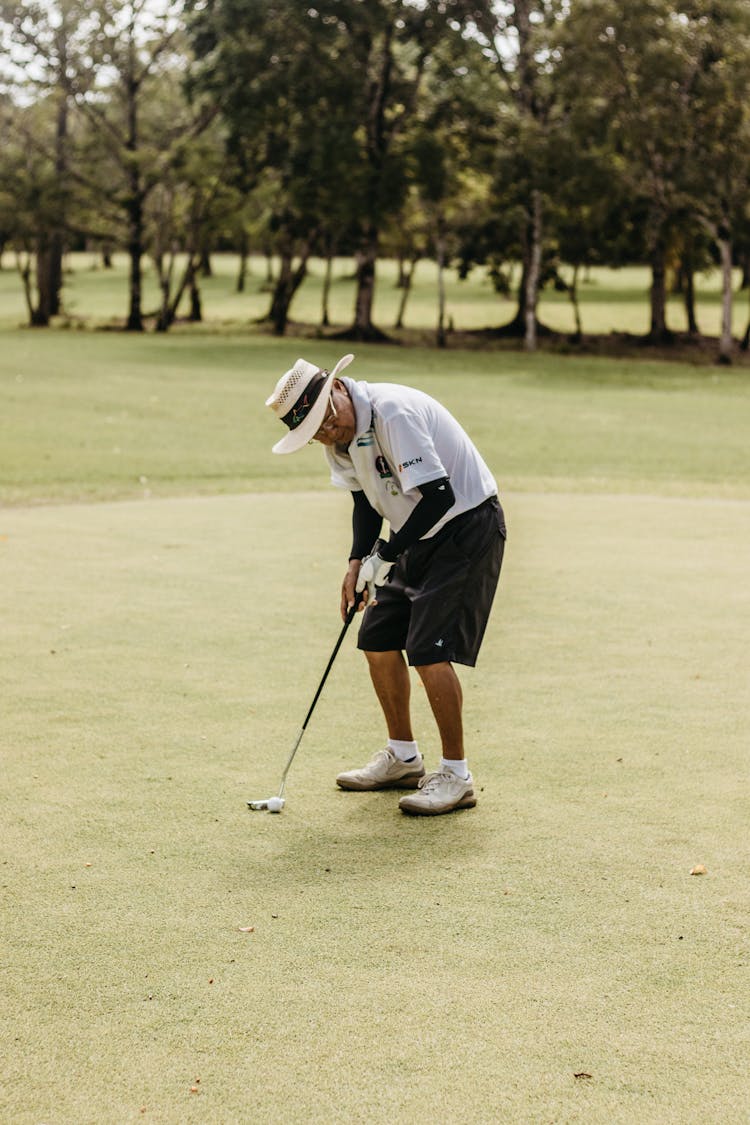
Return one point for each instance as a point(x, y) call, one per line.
point(99, 416)
point(168, 600)
point(158, 659)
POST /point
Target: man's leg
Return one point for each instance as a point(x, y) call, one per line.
point(390, 678)
point(451, 787)
point(399, 765)
point(444, 692)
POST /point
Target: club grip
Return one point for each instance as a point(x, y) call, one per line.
point(353, 609)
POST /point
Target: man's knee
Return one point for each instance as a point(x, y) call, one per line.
point(435, 674)
point(378, 658)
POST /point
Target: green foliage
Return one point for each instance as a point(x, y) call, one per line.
point(540, 133)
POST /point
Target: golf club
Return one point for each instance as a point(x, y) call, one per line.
point(276, 804)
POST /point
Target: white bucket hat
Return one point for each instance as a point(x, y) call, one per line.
point(300, 399)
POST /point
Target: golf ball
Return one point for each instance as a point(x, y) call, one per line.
point(275, 804)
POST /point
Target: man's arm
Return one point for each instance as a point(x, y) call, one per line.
point(437, 498)
point(366, 527)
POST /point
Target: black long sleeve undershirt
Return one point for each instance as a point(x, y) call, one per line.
point(366, 526)
point(437, 498)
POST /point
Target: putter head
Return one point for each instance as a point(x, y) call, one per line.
point(272, 804)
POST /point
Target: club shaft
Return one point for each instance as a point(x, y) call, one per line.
point(347, 622)
point(342, 634)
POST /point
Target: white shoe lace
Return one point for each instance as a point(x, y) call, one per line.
point(432, 780)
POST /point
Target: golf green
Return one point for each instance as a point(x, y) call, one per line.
point(170, 956)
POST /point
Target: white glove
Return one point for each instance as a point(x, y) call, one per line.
point(373, 572)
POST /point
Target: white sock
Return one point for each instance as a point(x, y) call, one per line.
point(458, 766)
point(404, 751)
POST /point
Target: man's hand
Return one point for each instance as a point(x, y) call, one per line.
point(348, 593)
point(373, 572)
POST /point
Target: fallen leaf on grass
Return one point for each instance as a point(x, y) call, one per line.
point(247, 929)
point(699, 869)
point(582, 1074)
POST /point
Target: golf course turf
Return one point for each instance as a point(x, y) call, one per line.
point(169, 599)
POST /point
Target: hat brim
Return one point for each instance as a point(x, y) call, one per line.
point(307, 430)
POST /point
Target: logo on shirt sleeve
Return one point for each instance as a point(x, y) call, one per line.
point(408, 464)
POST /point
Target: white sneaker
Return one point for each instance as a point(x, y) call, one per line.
point(440, 792)
point(385, 771)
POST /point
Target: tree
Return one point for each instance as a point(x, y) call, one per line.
point(518, 38)
point(132, 43)
point(45, 44)
point(185, 211)
point(637, 62)
point(31, 202)
point(286, 100)
point(449, 147)
point(719, 168)
point(391, 45)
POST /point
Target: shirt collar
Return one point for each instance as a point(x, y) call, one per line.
point(360, 396)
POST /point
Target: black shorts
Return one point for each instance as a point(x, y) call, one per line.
point(438, 600)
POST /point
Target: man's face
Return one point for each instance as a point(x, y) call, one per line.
point(339, 421)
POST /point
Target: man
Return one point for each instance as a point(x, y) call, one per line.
point(428, 588)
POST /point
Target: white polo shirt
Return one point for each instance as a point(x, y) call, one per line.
point(405, 438)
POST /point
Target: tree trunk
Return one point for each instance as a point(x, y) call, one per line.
point(658, 332)
point(165, 317)
point(573, 294)
point(725, 340)
point(196, 305)
point(165, 274)
point(171, 303)
point(535, 267)
point(134, 207)
point(516, 327)
point(377, 141)
point(40, 314)
point(405, 282)
point(205, 266)
point(289, 280)
point(440, 338)
point(745, 267)
point(363, 328)
point(135, 252)
point(325, 319)
point(61, 170)
point(24, 271)
point(55, 268)
point(688, 274)
point(242, 272)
